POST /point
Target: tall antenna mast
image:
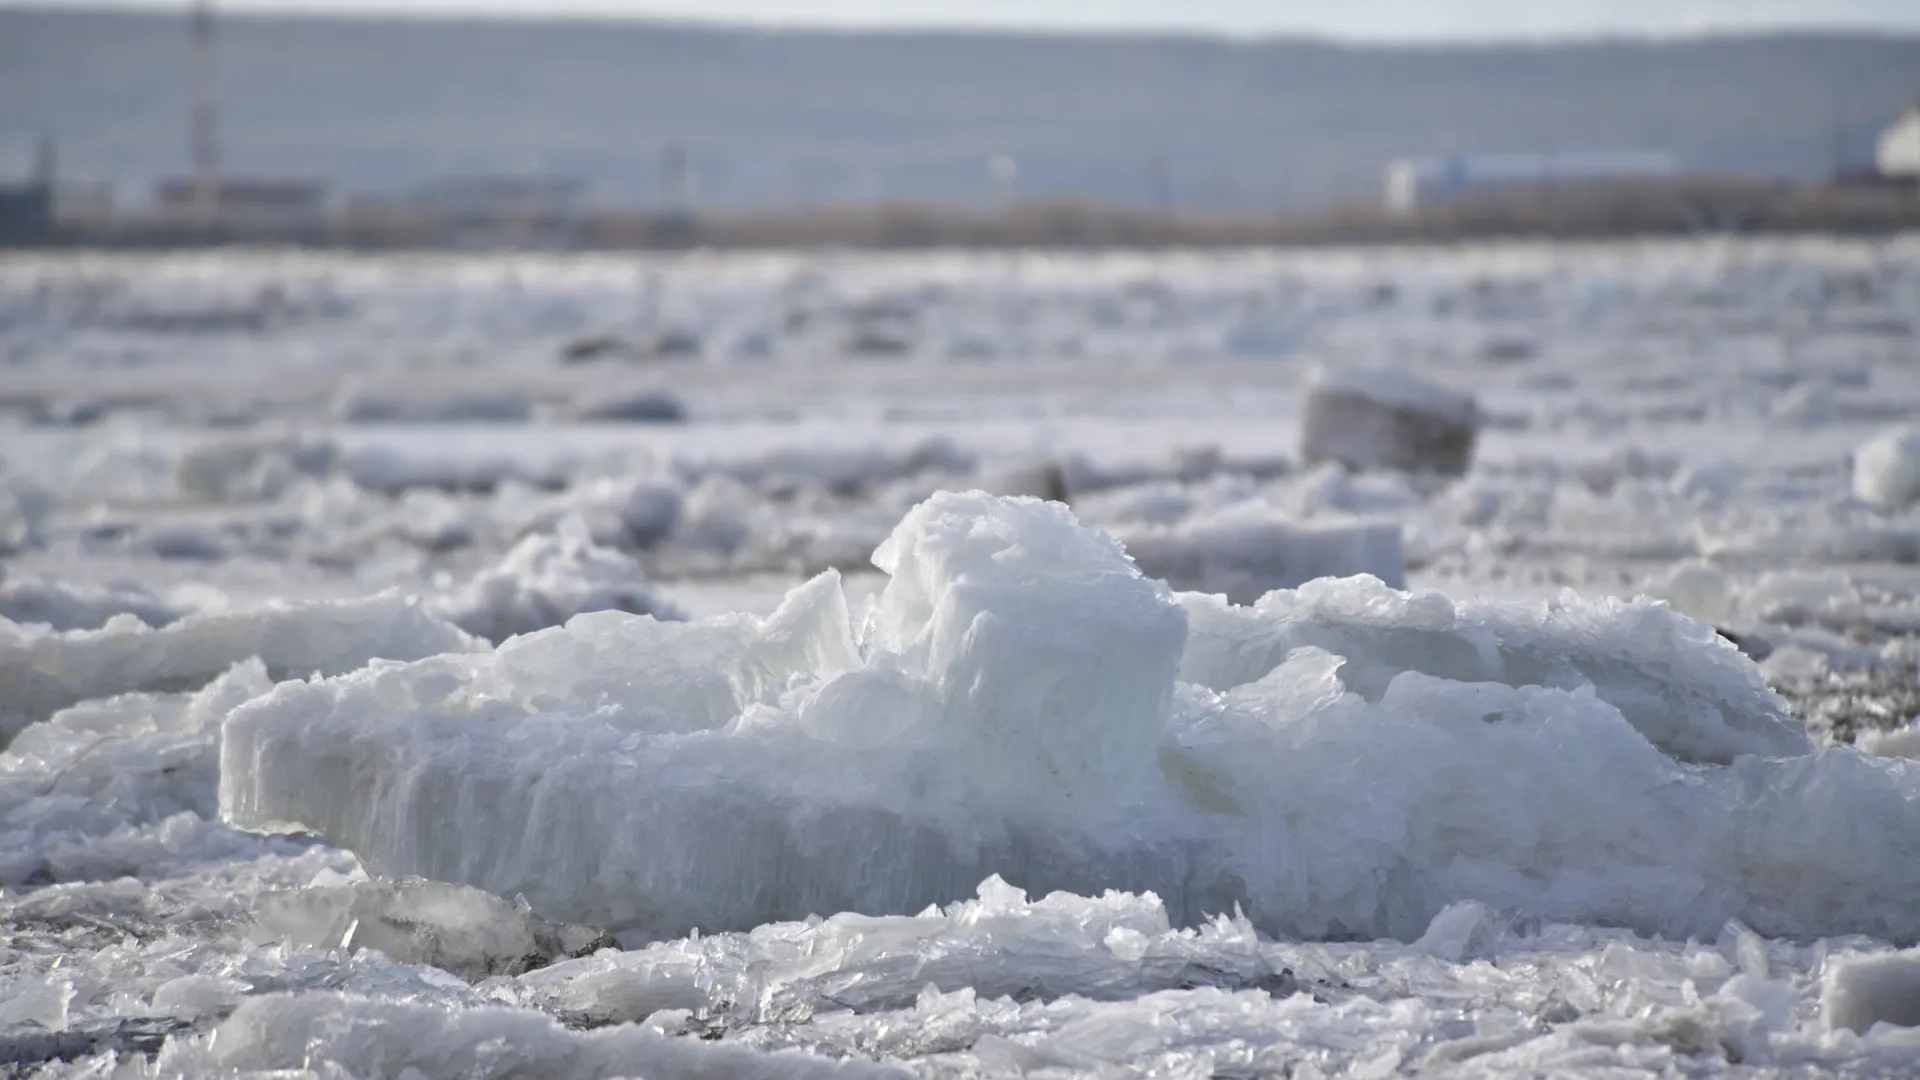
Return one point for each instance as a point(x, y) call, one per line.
point(206, 114)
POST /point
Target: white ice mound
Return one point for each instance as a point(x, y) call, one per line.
point(1011, 706)
point(42, 671)
point(1042, 657)
point(1681, 685)
point(1886, 470)
point(548, 578)
point(1247, 551)
point(1387, 419)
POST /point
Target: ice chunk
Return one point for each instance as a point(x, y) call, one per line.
point(457, 928)
point(1249, 550)
point(1886, 470)
point(1375, 756)
point(632, 407)
point(1386, 419)
point(1861, 991)
point(1053, 657)
point(1681, 685)
point(1900, 742)
point(1462, 931)
point(246, 469)
point(548, 578)
point(44, 671)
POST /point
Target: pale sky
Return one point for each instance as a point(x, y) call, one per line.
point(1403, 20)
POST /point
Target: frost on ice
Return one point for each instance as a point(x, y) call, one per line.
point(1344, 759)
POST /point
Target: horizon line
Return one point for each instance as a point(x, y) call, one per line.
point(376, 11)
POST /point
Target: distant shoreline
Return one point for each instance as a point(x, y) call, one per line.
point(1703, 206)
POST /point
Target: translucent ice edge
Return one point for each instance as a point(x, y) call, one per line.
point(1340, 760)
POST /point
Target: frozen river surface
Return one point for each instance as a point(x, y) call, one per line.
point(525, 665)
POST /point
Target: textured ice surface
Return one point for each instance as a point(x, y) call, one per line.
point(546, 579)
point(1367, 756)
point(44, 671)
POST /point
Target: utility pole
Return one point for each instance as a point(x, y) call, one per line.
point(675, 177)
point(205, 136)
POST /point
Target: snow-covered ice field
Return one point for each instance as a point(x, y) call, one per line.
point(578, 665)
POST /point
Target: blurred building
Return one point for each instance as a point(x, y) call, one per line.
point(1417, 183)
point(484, 209)
point(27, 207)
point(243, 203)
point(1898, 154)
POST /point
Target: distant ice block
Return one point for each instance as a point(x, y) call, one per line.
point(1861, 991)
point(1886, 470)
point(43, 671)
point(62, 606)
point(548, 578)
point(1386, 419)
point(1344, 759)
point(456, 928)
point(1249, 550)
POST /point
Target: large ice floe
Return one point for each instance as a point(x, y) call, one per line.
point(1341, 760)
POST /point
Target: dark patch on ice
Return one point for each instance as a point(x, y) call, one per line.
point(1755, 647)
point(22, 1053)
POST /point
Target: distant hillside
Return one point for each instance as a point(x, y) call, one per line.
point(799, 117)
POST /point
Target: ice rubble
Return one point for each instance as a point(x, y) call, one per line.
point(1388, 419)
point(357, 1036)
point(1341, 759)
point(546, 579)
point(1000, 944)
point(456, 928)
point(43, 671)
